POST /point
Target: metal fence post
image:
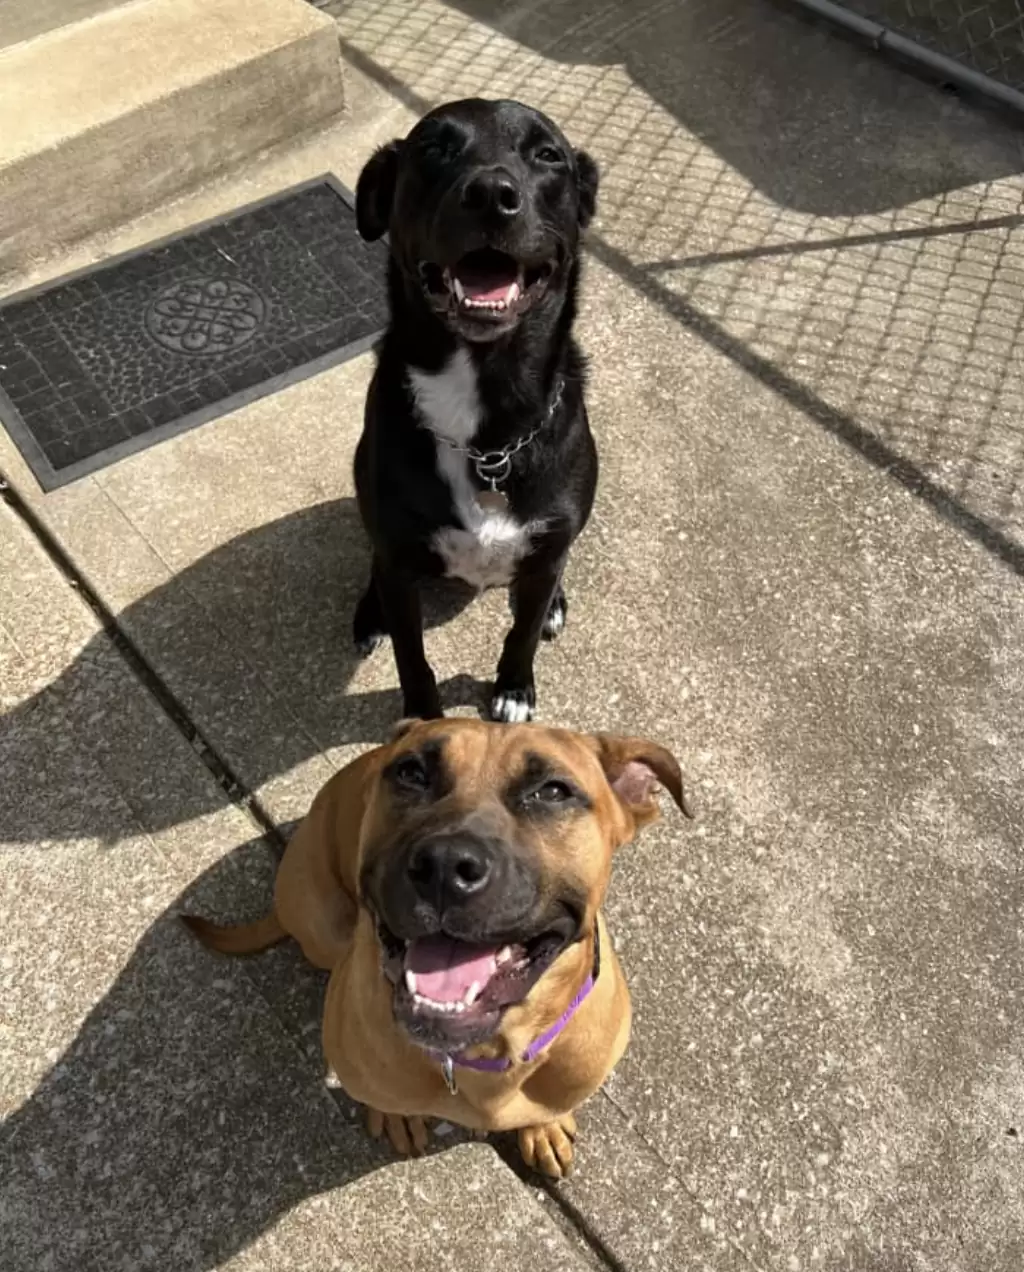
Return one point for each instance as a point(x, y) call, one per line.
point(972, 45)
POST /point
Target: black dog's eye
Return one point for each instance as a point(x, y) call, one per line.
point(553, 792)
point(548, 154)
point(411, 773)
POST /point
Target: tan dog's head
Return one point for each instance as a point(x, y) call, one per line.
point(485, 852)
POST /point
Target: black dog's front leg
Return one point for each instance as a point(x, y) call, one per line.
point(533, 591)
point(400, 605)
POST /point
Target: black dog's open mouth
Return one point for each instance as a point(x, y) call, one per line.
point(451, 993)
point(486, 284)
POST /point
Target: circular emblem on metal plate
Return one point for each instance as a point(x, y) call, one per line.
point(205, 315)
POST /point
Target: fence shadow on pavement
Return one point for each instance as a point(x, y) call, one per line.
point(851, 236)
point(258, 633)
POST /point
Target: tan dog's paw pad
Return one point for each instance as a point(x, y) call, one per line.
point(408, 1135)
point(549, 1148)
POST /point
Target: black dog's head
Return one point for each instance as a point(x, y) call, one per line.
point(484, 202)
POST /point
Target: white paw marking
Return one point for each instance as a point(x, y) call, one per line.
point(512, 710)
point(555, 621)
point(485, 549)
point(368, 644)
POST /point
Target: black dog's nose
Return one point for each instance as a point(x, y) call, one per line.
point(492, 191)
point(450, 870)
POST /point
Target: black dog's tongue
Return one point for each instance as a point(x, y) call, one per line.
point(488, 276)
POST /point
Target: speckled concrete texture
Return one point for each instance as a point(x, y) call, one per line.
point(803, 573)
point(456, 1212)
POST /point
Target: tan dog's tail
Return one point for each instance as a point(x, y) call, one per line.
point(237, 938)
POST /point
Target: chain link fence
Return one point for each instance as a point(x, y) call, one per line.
point(988, 37)
point(978, 45)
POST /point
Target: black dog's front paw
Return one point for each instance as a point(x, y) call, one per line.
point(513, 705)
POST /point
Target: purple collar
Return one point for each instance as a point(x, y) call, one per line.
point(498, 1064)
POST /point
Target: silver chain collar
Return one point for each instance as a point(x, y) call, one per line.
point(493, 467)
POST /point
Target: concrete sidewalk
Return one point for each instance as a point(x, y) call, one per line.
point(804, 574)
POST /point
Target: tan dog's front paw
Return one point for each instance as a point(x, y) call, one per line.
point(408, 1135)
point(549, 1148)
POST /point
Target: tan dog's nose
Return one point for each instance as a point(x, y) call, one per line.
point(450, 869)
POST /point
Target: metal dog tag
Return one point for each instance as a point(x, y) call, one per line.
point(448, 1073)
point(491, 501)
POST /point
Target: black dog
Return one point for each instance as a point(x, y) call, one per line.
point(476, 459)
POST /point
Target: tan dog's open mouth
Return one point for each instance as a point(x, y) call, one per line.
point(450, 992)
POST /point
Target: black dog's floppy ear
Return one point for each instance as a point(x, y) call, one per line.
point(635, 768)
point(375, 192)
point(588, 177)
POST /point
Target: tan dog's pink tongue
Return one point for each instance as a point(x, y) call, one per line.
point(445, 970)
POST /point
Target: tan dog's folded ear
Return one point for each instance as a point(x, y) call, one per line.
point(403, 727)
point(635, 768)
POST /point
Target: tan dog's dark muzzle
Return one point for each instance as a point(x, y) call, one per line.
point(468, 923)
point(470, 880)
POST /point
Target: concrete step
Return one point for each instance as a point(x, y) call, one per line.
point(25, 19)
point(105, 117)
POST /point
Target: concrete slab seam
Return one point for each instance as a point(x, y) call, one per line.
point(236, 792)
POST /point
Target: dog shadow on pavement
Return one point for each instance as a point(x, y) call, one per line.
point(190, 1111)
point(254, 639)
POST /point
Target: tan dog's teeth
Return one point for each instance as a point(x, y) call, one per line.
point(433, 1004)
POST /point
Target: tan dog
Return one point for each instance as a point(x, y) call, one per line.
point(451, 882)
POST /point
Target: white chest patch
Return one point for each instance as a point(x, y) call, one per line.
point(486, 546)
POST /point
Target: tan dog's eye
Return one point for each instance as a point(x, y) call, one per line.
point(411, 772)
point(553, 792)
point(541, 790)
